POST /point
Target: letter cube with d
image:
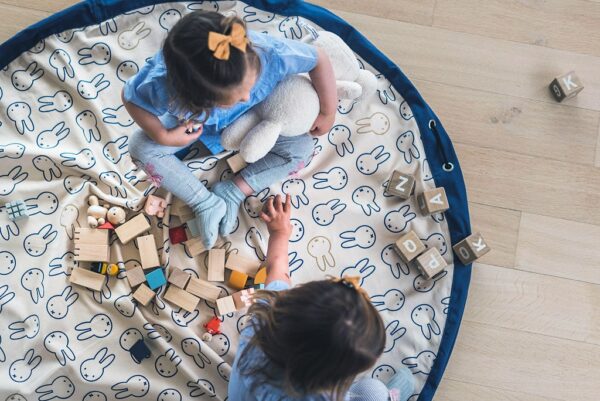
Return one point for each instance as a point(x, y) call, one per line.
point(565, 86)
point(431, 263)
point(409, 246)
point(471, 248)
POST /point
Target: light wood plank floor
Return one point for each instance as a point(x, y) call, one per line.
point(531, 330)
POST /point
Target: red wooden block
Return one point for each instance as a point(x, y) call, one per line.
point(106, 226)
point(177, 235)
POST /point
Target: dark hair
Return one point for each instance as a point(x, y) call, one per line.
point(197, 80)
point(317, 337)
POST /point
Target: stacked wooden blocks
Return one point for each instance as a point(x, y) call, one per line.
point(91, 245)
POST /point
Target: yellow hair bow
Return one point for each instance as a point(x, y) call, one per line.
point(220, 44)
point(352, 282)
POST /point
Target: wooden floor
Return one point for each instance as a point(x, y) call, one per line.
point(531, 330)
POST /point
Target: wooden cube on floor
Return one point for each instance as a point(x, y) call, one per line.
point(471, 248)
point(178, 277)
point(148, 252)
point(237, 280)
point(143, 294)
point(242, 264)
point(243, 299)
point(203, 289)
point(409, 246)
point(401, 185)
point(136, 276)
point(216, 265)
point(225, 305)
point(87, 278)
point(433, 201)
point(195, 246)
point(132, 228)
point(566, 86)
point(431, 263)
point(181, 298)
point(236, 163)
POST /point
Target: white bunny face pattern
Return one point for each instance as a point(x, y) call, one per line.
point(65, 135)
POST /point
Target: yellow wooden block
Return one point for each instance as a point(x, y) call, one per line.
point(237, 280)
point(261, 276)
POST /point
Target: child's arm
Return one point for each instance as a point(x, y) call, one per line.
point(152, 126)
point(277, 216)
point(323, 79)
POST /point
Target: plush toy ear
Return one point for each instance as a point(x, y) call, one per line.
point(260, 140)
point(232, 136)
point(348, 90)
point(368, 82)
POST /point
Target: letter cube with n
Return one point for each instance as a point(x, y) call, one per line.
point(433, 201)
point(409, 246)
point(471, 248)
point(401, 185)
point(566, 86)
point(431, 263)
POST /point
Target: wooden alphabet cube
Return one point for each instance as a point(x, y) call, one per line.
point(431, 263)
point(401, 185)
point(135, 276)
point(242, 264)
point(178, 277)
point(132, 228)
point(409, 246)
point(471, 248)
point(143, 294)
point(16, 210)
point(87, 278)
point(203, 289)
point(236, 163)
point(237, 280)
point(216, 265)
point(155, 206)
point(148, 252)
point(225, 305)
point(243, 299)
point(566, 86)
point(181, 298)
point(433, 201)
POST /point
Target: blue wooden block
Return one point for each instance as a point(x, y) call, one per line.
point(156, 278)
point(16, 210)
point(139, 351)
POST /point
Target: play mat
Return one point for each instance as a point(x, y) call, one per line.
point(64, 135)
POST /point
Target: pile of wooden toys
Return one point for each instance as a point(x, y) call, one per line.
point(410, 247)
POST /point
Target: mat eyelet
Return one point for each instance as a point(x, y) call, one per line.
point(448, 167)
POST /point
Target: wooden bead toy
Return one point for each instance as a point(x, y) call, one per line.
point(433, 201)
point(471, 248)
point(16, 210)
point(116, 215)
point(96, 213)
point(203, 289)
point(87, 278)
point(155, 206)
point(132, 228)
point(216, 265)
point(409, 246)
point(225, 305)
point(401, 185)
point(431, 263)
point(236, 163)
point(237, 280)
point(178, 277)
point(181, 298)
point(156, 278)
point(242, 264)
point(148, 252)
point(135, 276)
point(143, 294)
point(566, 86)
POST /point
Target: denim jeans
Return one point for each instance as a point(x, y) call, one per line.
point(289, 155)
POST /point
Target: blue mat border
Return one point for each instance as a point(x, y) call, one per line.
point(95, 11)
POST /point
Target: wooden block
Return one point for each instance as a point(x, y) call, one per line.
point(216, 265)
point(401, 185)
point(566, 86)
point(195, 246)
point(178, 277)
point(237, 280)
point(143, 294)
point(236, 163)
point(181, 298)
point(181, 210)
point(471, 248)
point(225, 305)
point(155, 206)
point(409, 246)
point(132, 228)
point(261, 276)
point(156, 278)
point(136, 276)
point(148, 252)
point(91, 236)
point(203, 289)
point(433, 201)
point(431, 263)
point(177, 235)
point(242, 264)
point(91, 253)
point(87, 278)
point(243, 299)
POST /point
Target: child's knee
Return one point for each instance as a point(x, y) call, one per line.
point(305, 147)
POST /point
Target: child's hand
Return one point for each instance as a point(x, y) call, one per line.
point(277, 215)
point(178, 136)
point(323, 123)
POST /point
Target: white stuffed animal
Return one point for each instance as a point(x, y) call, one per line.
point(293, 106)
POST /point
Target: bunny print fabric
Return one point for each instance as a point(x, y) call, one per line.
point(64, 135)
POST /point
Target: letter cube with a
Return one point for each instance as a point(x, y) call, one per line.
point(433, 201)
